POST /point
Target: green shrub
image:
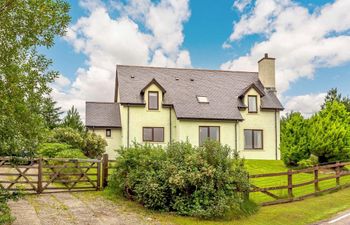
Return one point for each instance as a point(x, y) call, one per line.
point(311, 161)
point(330, 133)
point(50, 150)
point(67, 135)
point(207, 181)
point(5, 212)
point(294, 139)
point(71, 153)
point(93, 145)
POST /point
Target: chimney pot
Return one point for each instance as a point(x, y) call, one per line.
point(266, 55)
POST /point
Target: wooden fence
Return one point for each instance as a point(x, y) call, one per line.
point(281, 187)
point(47, 175)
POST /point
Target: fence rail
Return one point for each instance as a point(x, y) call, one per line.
point(281, 187)
point(47, 175)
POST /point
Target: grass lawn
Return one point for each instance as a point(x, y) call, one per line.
point(296, 213)
point(274, 166)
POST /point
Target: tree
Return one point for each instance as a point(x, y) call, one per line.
point(51, 113)
point(333, 95)
point(73, 120)
point(294, 139)
point(24, 75)
point(329, 134)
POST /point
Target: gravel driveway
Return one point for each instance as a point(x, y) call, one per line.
point(77, 208)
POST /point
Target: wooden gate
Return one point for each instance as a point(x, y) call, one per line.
point(42, 175)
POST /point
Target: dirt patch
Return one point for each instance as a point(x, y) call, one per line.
point(66, 208)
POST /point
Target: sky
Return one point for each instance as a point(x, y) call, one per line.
point(309, 39)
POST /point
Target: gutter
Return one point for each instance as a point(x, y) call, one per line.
point(128, 132)
point(276, 144)
point(170, 126)
point(236, 135)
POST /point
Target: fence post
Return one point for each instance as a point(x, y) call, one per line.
point(104, 170)
point(317, 188)
point(98, 185)
point(290, 184)
point(40, 176)
point(337, 172)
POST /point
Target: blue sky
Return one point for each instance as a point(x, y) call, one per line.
point(204, 26)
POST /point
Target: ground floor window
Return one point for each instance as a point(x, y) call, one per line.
point(155, 134)
point(108, 133)
point(206, 132)
point(253, 139)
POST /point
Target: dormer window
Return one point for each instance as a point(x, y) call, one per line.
point(252, 104)
point(202, 99)
point(153, 100)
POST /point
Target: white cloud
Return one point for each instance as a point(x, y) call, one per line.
point(144, 33)
point(300, 40)
point(241, 4)
point(61, 82)
point(306, 104)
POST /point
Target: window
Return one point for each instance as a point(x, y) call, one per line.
point(202, 99)
point(252, 104)
point(155, 134)
point(108, 133)
point(208, 132)
point(253, 139)
point(153, 100)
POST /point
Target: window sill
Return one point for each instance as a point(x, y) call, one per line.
point(253, 149)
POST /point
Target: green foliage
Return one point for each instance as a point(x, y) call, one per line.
point(204, 181)
point(94, 145)
point(5, 212)
point(24, 75)
point(311, 161)
point(71, 153)
point(325, 135)
point(333, 95)
point(67, 135)
point(50, 150)
point(73, 120)
point(294, 144)
point(63, 138)
point(51, 113)
point(329, 134)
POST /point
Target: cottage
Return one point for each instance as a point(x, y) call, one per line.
point(157, 105)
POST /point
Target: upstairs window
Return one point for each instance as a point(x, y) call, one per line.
point(253, 139)
point(153, 134)
point(153, 100)
point(252, 104)
point(108, 133)
point(205, 133)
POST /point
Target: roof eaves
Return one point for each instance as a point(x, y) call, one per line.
point(216, 119)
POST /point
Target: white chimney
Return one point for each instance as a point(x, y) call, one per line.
point(267, 72)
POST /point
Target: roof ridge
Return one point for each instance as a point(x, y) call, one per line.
point(101, 102)
point(173, 68)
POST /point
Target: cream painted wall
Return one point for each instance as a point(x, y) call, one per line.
point(264, 120)
point(114, 142)
point(190, 130)
point(140, 116)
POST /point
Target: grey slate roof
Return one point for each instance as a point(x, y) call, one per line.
point(102, 114)
point(222, 88)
